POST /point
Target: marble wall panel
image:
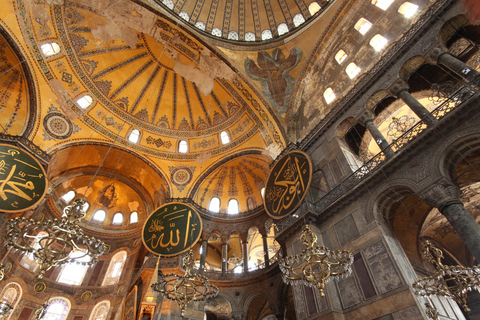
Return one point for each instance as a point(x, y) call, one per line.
point(346, 230)
point(349, 293)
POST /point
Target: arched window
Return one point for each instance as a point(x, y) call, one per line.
point(169, 3)
point(214, 205)
point(57, 309)
point(86, 206)
point(233, 207)
point(250, 36)
point(85, 101)
point(134, 136)
point(382, 4)
point(67, 197)
point(313, 8)
point(50, 49)
point(298, 19)
point(99, 215)
point(352, 70)
point(73, 272)
point(329, 95)
point(232, 35)
point(12, 293)
point(117, 218)
point(262, 192)
point(408, 9)
point(267, 34)
point(378, 42)
point(224, 137)
point(184, 15)
point(183, 146)
point(282, 28)
point(134, 217)
point(28, 260)
point(340, 56)
point(217, 32)
point(251, 203)
point(200, 25)
point(363, 25)
point(100, 311)
point(115, 268)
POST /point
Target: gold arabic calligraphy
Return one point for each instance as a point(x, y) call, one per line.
point(175, 233)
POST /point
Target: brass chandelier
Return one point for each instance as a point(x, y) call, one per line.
point(185, 288)
point(235, 261)
point(63, 238)
point(316, 265)
point(5, 309)
point(448, 281)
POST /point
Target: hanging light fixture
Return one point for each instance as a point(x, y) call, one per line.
point(40, 312)
point(64, 241)
point(185, 288)
point(316, 265)
point(5, 309)
point(235, 261)
point(448, 281)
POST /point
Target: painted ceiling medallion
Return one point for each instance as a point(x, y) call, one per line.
point(181, 176)
point(57, 125)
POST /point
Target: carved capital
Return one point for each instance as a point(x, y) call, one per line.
point(398, 86)
point(434, 54)
point(439, 193)
point(365, 116)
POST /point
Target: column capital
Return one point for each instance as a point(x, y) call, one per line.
point(398, 86)
point(365, 116)
point(439, 193)
point(433, 55)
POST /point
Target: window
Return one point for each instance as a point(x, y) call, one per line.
point(50, 49)
point(115, 268)
point(352, 70)
point(184, 15)
point(86, 206)
point(57, 309)
point(329, 95)
point(224, 137)
point(217, 32)
point(233, 207)
point(182, 146)
point(73, 272)
point(282, 29)
point(85, 101)
point(232, 35)
point(314, 8)
point(262, 192)
point(238, 269)
point(214, 205)
point(134, 217)
point(28, 259)
point(99, 215)
point(11, 294)
point(267, 34)
point(251, 203)
point(408, 9)
point(378, 42)
point(382, 4)
point(100, 311)
point(117, 218)
point(169, 3)
point(298, 19)
point(134, 136)
point(67, 197)
point(200, 25)
point(363, 25)
point(341, 56)
point(250, 36)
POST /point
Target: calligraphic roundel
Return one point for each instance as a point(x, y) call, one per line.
point(287, 184)
point(22, 179)
point(172, 229)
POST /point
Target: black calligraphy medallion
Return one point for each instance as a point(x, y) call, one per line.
point(288, 184)
point(172, 229)
point(22, 179)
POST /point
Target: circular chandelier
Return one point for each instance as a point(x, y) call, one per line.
point(63, 240)
point(316, 265)
point(5, 309)
point(185, 288)
point(449, 281)
point(235, 261)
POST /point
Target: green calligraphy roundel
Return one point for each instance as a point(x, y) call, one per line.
point(287, 184)
point(22, 179)
point(172, 229)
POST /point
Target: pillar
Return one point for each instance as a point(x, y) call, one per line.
point(265, 251)
point(203, 256)
point(400, 90)
point(442, 57)
point(366, 118)
point(245, 255)
point(446, 197)
point(224, 256)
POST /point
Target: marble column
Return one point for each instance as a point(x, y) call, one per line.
point(245, 255)
point(446, 197)
point(366, 119)
point(224, 256)
point(443, 57)
point(265, 251)
point(400, 90)
point(203, 256)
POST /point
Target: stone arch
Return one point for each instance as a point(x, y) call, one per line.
point(219, 306)
point(450, 27)
point(410, 66)
point(376, 98)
